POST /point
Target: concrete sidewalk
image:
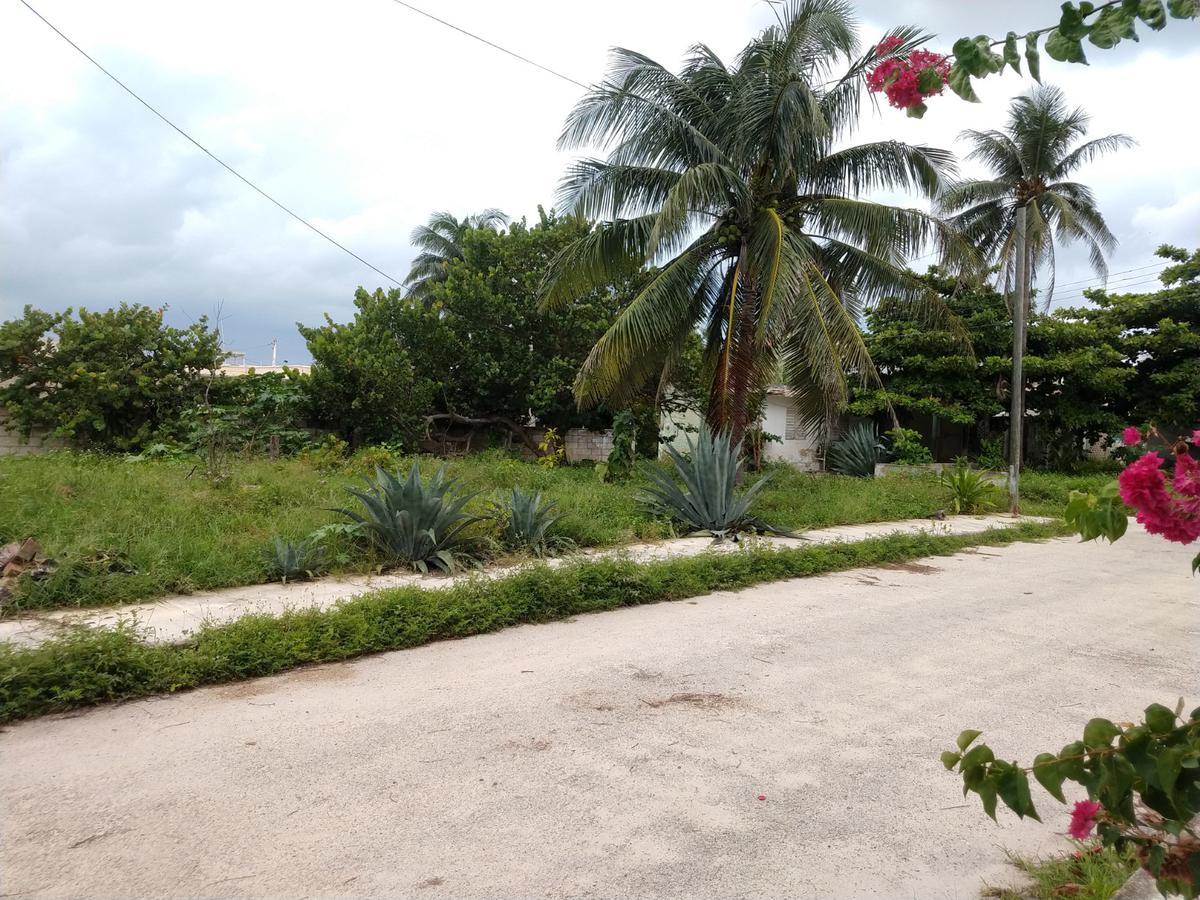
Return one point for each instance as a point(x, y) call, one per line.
point(622, 754)
point(173, 618)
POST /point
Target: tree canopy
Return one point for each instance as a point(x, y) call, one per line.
point(736, 180)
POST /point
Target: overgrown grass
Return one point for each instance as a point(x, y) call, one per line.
point(180, 534)
point(1086, 874)
point(100, 665)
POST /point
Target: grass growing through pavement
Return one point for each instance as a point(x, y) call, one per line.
point(1086, 874)
point(179, 533)
point(100, 665)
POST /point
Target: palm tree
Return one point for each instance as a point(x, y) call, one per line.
point(440, 241)
point(733, 182)
point(1032, 160)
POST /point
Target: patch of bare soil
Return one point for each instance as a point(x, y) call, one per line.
point(693, 699)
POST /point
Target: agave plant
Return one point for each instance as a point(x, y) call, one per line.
point(295, 561)
point(416, 523)
point(527, 523)
point(856, 453)
point(707, 503)
point(970, 490)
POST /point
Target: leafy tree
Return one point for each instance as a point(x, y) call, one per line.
point(110, 380)
point(1160, 336)
point(1077, 382)
point(738, 181)
point(1032, 160)
point(928, 370)
point(440, 241)
point(1077, 379)
point(247, 412)
point(364, 384)
point(483, 340)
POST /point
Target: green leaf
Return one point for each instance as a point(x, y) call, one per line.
point(1071, 24)
point(1196, 564)
point(1153, 14)
point(1012, 56)
point(950, 759)
point(1170, 764)
point(1099, 733)
point(987, 793)
point(1113, 24)
point(1071, 763)
point(1013, 787)
point(967, 738)
point(976, 756)
point(917, 112)
point(1032, 59)
point(1160, 719)
point(1065, 49)
point(1183, 9)
point(960, 83)
point(1049, 775)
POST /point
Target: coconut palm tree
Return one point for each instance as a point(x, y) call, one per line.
point(734, 182)
point(440, 241)
point(1032, 161)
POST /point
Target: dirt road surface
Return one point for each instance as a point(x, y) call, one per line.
point(622, 754)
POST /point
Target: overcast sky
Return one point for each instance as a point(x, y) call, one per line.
point(363, 117)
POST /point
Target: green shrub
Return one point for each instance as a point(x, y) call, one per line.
point(969, 489)
point(526, 522)
point(414, 523)
point(907, 448)
point(295, 560)
point(857, 453)
point(709, 502)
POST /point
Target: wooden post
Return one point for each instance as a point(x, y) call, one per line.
point(1016, 419)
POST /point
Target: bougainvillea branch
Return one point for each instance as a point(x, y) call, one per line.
point(1103, 25)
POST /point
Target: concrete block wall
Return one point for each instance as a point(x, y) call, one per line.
point(582, 445)
point(13, 444)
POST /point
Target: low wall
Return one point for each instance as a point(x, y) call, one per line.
point(13, 444)
point(581, 445)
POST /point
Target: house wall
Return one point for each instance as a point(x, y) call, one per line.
point(797, 445)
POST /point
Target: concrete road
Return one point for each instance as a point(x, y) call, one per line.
point(621, 754)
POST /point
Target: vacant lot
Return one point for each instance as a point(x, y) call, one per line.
point(124, 531)
point(621, 754)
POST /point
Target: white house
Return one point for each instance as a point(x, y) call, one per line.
point(795, 445)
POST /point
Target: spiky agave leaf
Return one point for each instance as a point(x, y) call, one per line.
point(857, 453)
point(708, 501)
point(413, 522)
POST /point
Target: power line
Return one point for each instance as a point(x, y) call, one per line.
point(206, 151)
point(1111, 274)
point(492, 44)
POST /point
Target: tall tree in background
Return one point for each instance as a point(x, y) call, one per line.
point(440, 241)
point(736, 182)
point(1032, 161)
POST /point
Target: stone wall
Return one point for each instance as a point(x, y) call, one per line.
point(13, 444)
point(581, 445)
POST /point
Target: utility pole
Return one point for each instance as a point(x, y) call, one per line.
point(1016, 416)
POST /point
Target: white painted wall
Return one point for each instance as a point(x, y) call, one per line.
point(797, 446)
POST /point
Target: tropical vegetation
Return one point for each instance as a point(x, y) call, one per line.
point(736, 181)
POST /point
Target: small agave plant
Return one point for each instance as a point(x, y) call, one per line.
point(707, 503)
point(416, 523)
point(527, 523)
point(296, 561)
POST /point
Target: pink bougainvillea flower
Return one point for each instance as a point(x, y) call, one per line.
point(1083, 819)
point(1196, 437)
point(1131, 436)
point(887, 45)
point(1175, 515)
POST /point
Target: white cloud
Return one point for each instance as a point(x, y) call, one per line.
point(364, 117)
